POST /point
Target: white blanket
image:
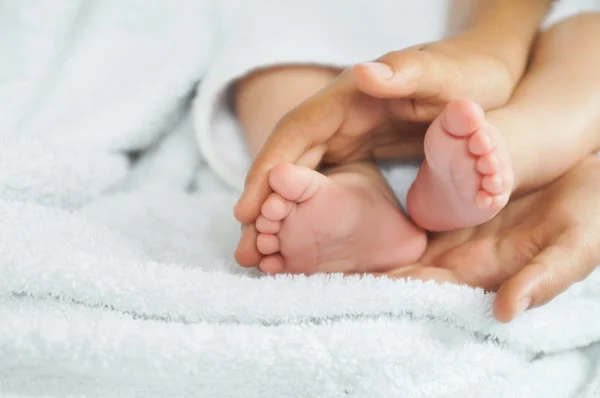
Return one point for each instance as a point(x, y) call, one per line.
point(116, 269)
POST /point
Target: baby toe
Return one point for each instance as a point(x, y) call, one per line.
point(483, 199)
point(273, 264)
point(490, 164)
point(267, 244)
point(276, 208)
point(493, 184)
point(482, 142)
point(499, 201)
point(497, 184)
point(462, 117)
point(267, 226)
point(295, 183)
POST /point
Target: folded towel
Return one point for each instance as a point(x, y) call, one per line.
point(92, 308)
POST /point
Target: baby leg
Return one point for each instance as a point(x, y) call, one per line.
point(553, 119)
point(551, 122)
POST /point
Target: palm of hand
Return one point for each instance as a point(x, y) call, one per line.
point(353, 119)
point(536, 247)
point(484, 256)
point(371, 131)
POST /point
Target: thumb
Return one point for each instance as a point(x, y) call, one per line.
point(550, 273)
point(298, 138)
point(410, 73)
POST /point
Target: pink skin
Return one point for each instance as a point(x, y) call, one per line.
point(466, 177)
point(347, 222)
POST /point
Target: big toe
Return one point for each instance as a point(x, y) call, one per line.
point(275, 209)
point(462, 117)
point(295, 183)
point(267, 243)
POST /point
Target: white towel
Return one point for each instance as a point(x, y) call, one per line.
point(116, 268)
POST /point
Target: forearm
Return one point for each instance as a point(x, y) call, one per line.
point(503, 28)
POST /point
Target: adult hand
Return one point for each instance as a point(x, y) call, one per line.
point(360, 114)
point(535, 248)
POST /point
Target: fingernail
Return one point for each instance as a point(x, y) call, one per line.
point(380, 70)
point(524, 303)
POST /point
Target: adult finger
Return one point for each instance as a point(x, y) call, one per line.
point(246, 253)
point(563, 263)
point(410, 73)
point(298, 138)
point(416, 110)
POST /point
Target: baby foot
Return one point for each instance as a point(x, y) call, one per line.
point(347, 222)
point(466, 178)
